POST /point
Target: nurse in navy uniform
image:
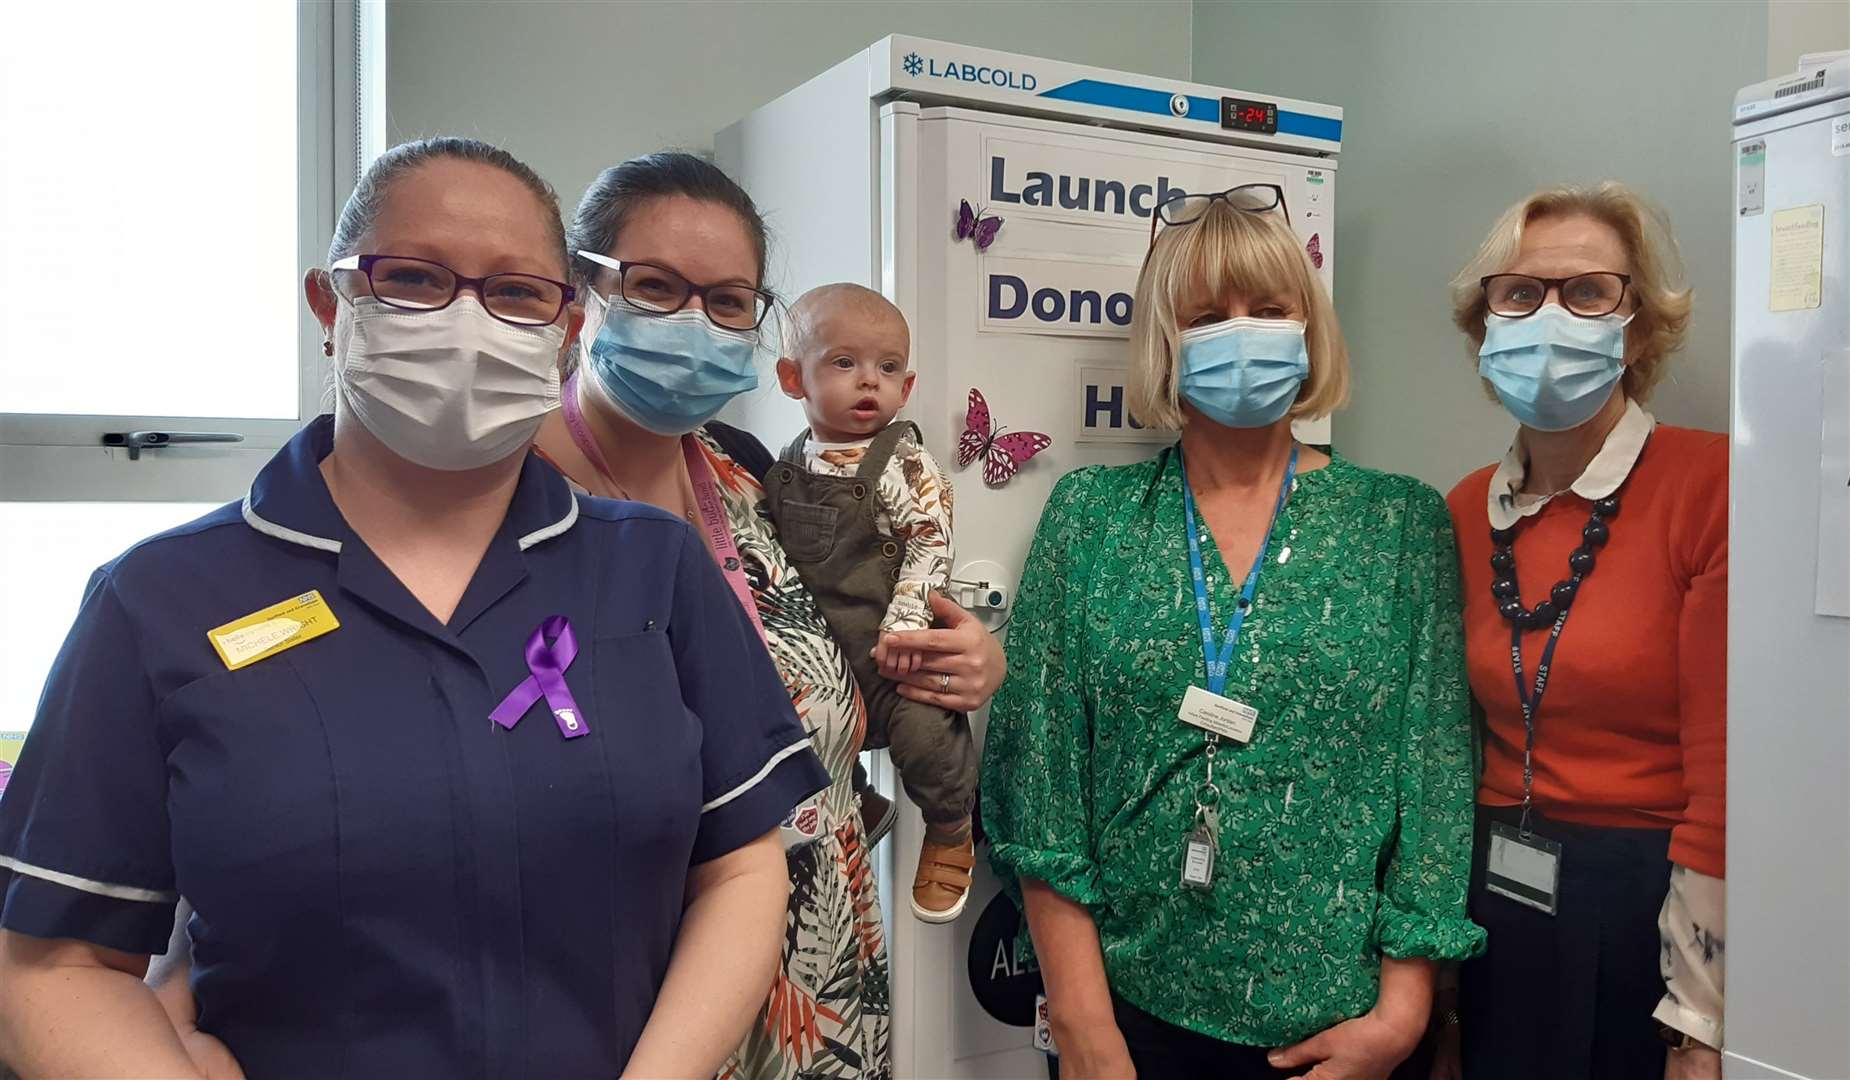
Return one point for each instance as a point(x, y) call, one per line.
point(463, 775)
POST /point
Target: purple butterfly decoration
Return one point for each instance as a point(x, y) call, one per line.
point(1003, 454)
point(1315, 250)
point(972, 225)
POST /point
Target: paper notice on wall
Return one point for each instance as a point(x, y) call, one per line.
point(1840, 136)
point(1797, 270)
point(1834, 488)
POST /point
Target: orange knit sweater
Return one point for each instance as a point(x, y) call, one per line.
point(1633, 728)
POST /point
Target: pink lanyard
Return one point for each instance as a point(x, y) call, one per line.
point(717, 533)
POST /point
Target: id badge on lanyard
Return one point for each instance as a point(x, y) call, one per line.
point(1209, 709)
point(1520, 865)
point(1526, 869)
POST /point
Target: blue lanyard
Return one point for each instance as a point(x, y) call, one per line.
point(1217, 668)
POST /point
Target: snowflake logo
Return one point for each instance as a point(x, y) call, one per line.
point(914, 64)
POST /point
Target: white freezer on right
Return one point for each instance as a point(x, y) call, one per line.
point(1788, 940)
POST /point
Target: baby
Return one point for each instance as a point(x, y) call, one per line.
point(864, 514)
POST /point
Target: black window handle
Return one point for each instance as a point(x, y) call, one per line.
point(137, 441)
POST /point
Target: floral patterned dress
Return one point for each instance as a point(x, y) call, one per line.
point(1344, 822)
point(828, 1010)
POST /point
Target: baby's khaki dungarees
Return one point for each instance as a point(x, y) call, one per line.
point(828, 526)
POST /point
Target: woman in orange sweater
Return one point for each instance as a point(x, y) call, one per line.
point(1600, 821)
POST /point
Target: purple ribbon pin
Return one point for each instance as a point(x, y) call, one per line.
point(550, 650)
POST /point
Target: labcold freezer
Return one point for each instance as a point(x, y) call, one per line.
point(860, 173)
point(1789, 579)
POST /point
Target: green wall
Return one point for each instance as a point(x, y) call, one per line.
point(1453, 111)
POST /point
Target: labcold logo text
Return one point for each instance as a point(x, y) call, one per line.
point(1011, 298)
point(982, 74)
point(1099, 194)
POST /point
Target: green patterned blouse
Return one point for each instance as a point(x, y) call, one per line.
point(1345, 826)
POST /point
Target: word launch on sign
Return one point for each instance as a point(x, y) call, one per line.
point(1099, 194)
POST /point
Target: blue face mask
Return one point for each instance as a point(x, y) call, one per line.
point(1553, 370)
point(1244, 373)
point(669, 373)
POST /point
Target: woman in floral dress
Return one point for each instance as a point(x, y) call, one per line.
point(672, 253)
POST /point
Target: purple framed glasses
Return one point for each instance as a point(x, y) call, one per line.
point(661, 291)
point(422, 285)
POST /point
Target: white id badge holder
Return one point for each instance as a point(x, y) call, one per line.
point(1198, 853)
point(1524, 869)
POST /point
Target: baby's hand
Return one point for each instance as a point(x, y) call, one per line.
point(896, 662)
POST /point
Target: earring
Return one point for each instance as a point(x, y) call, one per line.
point(327, 347)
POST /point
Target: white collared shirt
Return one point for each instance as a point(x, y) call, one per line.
point(1602, 476)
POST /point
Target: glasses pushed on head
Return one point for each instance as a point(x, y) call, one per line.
point(662, 291)
point(422, 285)
point(1189, 207)
point(1517, 296)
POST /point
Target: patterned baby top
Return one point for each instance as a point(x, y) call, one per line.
point(912, 501)
point(1345, 823)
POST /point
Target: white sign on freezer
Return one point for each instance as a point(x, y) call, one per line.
point(1063, 297)
point(1104, 410)
point(1072, 181)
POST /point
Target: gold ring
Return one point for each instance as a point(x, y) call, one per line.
point(944, 682)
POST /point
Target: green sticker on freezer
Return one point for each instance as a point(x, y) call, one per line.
point(1750, 178)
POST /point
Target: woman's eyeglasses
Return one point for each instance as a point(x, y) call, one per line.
point(422, 285)
point(1517, 296)
point(1186, 208)
point(660, 290)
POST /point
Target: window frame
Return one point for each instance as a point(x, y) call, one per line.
point(61, 457)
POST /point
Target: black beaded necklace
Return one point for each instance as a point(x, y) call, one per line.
point(1508, 594)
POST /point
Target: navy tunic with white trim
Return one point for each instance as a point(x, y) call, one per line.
point(384, 881)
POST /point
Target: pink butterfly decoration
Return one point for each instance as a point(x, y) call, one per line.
point(1003, 455)
point(972, 225)
point(1315, 250)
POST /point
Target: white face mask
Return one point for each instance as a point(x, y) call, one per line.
point(452, 389)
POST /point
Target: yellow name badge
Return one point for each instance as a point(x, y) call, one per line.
point(262, 634)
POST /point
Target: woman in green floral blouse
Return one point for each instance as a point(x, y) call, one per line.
point(1240, 867)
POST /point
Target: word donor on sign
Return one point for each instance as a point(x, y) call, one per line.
point(1057, 296)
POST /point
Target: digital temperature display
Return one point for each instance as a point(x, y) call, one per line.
point(1238, 115)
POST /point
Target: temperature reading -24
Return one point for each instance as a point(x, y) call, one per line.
point(1237, 114)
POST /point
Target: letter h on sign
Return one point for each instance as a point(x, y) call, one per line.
point(1112, 406)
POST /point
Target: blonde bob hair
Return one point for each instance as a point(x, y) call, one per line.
point(1658, 287)
point(1229, 251)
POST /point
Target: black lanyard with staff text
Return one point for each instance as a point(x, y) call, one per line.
point(1518, 864)
point(1561, 601)
point(1531, 701)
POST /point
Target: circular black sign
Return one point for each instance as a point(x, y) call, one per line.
point(1004, 980)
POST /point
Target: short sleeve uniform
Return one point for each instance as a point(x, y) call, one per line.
point(386, 882)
